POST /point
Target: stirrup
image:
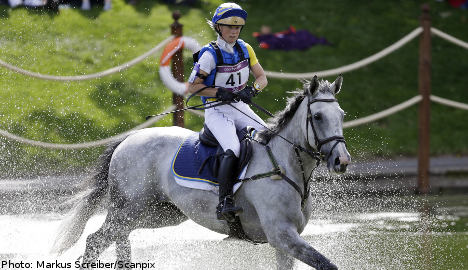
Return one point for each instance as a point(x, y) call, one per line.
point(226, 210)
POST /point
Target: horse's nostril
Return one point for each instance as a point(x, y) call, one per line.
point(343, 167)
point(337, 161)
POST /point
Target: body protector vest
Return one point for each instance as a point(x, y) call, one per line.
point(232, 69)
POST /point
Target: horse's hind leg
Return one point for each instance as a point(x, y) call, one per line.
point(283, 260)
point(97, 242)
point(156, 215)
point(123, 249)
point(126, 219)
point(116, 228)
point(120, 222)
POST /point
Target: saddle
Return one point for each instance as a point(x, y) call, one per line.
point(197, 160)
point(207, 138)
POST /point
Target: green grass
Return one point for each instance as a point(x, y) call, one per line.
point(75, 42)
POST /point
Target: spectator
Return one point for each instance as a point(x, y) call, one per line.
point(290, 39)
point(27, 3)
point(181, 2)
point(35, 3)
point(15, 3)
point(86, 5)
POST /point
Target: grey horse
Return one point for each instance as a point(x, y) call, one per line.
point(136, 173)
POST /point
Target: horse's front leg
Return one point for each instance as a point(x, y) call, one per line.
point(284, 237)
point(282, 220)
point(283, 260)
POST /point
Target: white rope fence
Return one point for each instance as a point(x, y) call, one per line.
point(366, 61)
point(353, 123)
point(449, 38)
point(384, 113)
point(392, 110)
point(272, 74)
point(148, 123)
point(448, 102)
point(350, 67)
point(340, 70)
point(89, 76)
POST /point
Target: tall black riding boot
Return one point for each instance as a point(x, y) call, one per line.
point(226, 176)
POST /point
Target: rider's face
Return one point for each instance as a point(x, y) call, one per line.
point(230, 33)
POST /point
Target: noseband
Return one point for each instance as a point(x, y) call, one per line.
point(318, 142)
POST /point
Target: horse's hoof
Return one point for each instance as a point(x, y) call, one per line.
point(329, 266)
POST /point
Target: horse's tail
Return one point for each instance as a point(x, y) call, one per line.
point(88, 201)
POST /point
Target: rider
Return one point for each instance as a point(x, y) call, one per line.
point(223, 69)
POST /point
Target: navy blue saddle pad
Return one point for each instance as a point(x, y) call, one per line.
point(188, 160)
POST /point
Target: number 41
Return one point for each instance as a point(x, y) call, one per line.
point(230, 80)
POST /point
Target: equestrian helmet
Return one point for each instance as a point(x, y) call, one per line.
point(229, 14)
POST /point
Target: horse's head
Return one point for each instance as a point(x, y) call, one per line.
point(324, 130)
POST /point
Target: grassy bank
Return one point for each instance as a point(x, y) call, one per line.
point(75, 42)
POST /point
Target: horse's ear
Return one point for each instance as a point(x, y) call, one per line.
point(314, 84)
point(336, 85)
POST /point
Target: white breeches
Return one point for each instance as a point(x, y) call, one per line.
point(224, 120)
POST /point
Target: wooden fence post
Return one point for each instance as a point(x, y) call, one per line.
point(425, 105)
point(177, 71)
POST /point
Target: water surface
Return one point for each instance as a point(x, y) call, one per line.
point(354, 232)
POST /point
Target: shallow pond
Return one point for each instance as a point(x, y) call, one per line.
point(390, 232)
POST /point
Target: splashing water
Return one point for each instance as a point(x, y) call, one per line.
point(361, 233)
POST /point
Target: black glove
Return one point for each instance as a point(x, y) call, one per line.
point(225, 95)
point(247, 94)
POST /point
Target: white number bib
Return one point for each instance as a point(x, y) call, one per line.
point(233, 77)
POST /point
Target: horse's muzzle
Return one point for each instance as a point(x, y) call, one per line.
point(341, 163)
point(339, 160)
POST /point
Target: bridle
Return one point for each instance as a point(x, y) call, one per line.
point(320, 142)
point(317, 155)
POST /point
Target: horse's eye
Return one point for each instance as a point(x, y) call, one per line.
point(318, 116)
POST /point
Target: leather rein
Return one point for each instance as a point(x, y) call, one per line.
point(317, 155)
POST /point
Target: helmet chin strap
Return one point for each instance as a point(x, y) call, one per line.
point(217, 30)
